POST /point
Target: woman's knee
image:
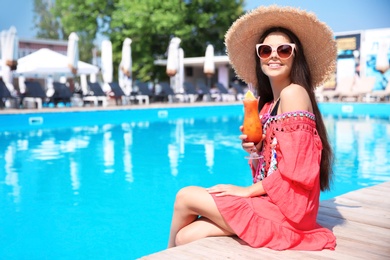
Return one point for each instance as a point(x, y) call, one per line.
point(184, 196)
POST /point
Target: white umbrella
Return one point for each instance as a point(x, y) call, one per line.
point(9, 49)
point(106, 64)
point(48, 62)
point(180, 81)
point(73, 52)
point(173, 57)
point(125, 66)
point(92, 76)
point(209, 66)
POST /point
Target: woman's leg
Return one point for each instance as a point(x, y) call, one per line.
point(190, 203)
point(198, 229)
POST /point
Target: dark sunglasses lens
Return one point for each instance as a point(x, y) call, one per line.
point(264, 51)
point(284, 51)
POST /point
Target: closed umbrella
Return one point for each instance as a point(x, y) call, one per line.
point(126, 67)
point(9, 49)
point(173, 57)
point(73, 52)
point(179, 86)
point(173, 63)
point(209, 66)
point(106, 64)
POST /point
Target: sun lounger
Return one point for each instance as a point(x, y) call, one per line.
point(34, 93)
point(238, 89)
point(62, 93)
point(5, 94)
point(168, 93)
point(191, 94)
point(224, 92)
point(360, 89)
point(343, 86)
point(143, 94)
point(95, 94)
point(118, 93)
point(205, 91)
point(380, 95)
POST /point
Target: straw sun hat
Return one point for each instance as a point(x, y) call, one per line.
point(315, 36)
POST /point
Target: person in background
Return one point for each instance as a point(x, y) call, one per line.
point(285, 53)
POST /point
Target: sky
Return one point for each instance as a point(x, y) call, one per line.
point(340, 15)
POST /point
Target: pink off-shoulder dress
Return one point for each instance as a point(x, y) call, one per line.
point(284, 218)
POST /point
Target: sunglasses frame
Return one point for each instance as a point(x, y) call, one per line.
point(292, 45)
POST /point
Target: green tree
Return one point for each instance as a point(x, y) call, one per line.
point(87, 18)
point(152, 23)
point(149, 23)
point(47, 25)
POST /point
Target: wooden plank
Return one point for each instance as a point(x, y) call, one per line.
point(360, 221)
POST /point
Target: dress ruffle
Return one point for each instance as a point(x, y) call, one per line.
point(269, 229)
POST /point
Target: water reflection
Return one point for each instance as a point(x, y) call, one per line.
point(144, 149)
point(362, 149)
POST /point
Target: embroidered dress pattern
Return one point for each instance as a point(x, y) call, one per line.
point(266, 119)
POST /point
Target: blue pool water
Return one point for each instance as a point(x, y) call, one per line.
point(101, 185)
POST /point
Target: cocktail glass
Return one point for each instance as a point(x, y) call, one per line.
point(252, 124)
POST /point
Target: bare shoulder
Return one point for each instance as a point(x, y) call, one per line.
point(294, 97)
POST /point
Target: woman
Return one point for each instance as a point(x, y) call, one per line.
point(285, 53)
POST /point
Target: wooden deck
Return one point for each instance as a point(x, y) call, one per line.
point(359, 219)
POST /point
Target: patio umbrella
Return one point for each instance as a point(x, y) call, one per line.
point(125, 66)
point(209, 66)
point(92, 76)
point(180, 81)
point(9, 49)
point(106, 64)
point(173, 61)
point(73, 52)
point(173, 56)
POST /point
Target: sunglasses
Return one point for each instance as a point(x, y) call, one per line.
point(284, 50)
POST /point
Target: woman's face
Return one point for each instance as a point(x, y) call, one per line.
point(274, 66)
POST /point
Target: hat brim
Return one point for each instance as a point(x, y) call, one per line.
point(315, 36)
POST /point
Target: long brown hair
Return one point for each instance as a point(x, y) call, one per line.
point(300, 74)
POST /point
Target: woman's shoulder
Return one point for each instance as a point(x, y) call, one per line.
point(295, 98)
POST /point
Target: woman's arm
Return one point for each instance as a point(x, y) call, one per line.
point(254, 190)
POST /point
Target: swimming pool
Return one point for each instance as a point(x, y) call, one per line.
point(101, 185)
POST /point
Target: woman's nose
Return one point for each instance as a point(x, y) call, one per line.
point(274, 54)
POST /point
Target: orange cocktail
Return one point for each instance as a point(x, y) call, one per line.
point(252, 124)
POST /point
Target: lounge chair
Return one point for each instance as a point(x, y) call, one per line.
point(62, 93)
point(95, 94)
point(190, 92)
point(168, 93)
point(204, 90)
point(142, 93)
point(360, 89)
point(239, 90)
point(343, 86)
point(118, 93)
point(5, 94)
point(380, 95)
point(34, 93)
point(224, 92)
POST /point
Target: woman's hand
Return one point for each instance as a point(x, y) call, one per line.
point(227, 189)
point(250, 147)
